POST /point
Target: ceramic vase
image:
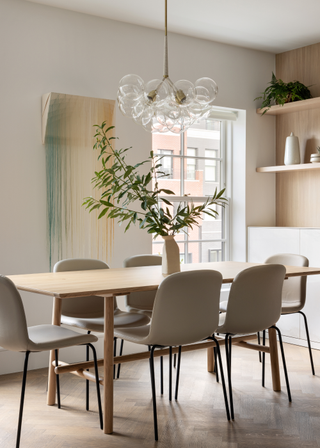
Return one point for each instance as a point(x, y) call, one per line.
point(315, 158)
point(292, 150)
point(170, 256)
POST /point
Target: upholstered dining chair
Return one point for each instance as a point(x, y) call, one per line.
point(185, 311)
point(254, 305)
point(16, 336)
point(141, 301)
point(294, 291)
point(87, 312)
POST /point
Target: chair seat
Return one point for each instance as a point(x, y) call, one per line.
point(291, 307)
point(138, 335)
point(136, 310)
point(51, 337)
point(121, 319)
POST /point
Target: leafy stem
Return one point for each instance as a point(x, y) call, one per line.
point(123, 185)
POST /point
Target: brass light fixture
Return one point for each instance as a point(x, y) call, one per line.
point(164, 106)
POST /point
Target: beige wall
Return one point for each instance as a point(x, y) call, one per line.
point(44, 49)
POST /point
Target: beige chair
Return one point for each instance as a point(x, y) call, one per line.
point(87, 312)
point(14, 335)
point(142, 301)
point(254, 305)
point(185, 311)
point(294, 291)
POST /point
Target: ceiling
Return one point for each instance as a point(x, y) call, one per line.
point(269, 25)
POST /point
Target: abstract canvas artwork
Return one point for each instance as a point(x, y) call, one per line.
point(68, 136)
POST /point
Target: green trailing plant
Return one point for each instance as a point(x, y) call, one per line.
point(123, 187)
point(280, 92)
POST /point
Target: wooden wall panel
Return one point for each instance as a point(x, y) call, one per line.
point(298, 193)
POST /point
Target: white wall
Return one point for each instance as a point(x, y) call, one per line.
point(45, 49)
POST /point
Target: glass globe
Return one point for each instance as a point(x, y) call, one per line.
point(184, 92)
point(206, 90)
point(131, 87)
point(147, 115)
point(156, 91)
point(125, 107)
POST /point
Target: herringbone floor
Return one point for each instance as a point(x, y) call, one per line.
point(263, 418)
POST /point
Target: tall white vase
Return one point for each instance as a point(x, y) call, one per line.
point(170, 256)
point(292, 150)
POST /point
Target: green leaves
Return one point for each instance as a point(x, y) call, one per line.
point(281, 93)
point(123, 187)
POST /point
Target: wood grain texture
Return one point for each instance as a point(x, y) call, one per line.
point(102, 282)
point(56, 320)
point(108, 365)
point(263, 418)
point(297, 106)
point(299, 192)
point(284, 168)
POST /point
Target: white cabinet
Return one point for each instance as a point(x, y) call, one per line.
point(266, 241)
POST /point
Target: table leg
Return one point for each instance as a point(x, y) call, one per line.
point(56, 320)
point(108, 366)
point(274, 359)
point(210, 360)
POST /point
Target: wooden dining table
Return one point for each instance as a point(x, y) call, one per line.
point(108, 283)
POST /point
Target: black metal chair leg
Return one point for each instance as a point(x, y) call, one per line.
point(216, 370)
point(161, 375)
point(309, 343)
point(114, 354)
point(174, 360)
point(263, 358)
point(57, 380)
point(170, 373)
point(178, 373)
point(23, 389)
point(153, 388)
point(259, 343)
point(87, 381)
point(283, 362)
point(228, 358)
point(97, 383)
point(218, 355)
point(120, 354)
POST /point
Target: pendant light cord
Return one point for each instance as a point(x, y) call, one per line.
point(165, 61)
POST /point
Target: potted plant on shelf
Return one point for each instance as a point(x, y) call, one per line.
point(123, 187)
point(280, 92)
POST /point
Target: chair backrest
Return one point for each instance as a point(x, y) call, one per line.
point(142, 300)
point(88, 306)
point(13, 324)
point(294, 288)
point(186, 308)
point(255, 299)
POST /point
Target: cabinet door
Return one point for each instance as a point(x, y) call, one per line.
point(266, 241)
point(310, 248)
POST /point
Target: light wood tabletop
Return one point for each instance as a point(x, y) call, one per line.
point(110, 282)
point(124, 280)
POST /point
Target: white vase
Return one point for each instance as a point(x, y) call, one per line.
point(292, 150)
point(170, 256)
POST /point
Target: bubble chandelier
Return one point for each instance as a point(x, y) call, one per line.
point(164, 106)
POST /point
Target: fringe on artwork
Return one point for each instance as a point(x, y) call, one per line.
point(68, 137)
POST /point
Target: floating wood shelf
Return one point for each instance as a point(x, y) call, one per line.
point(297, 106)
point(282, 168)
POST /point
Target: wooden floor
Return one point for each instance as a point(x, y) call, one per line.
point(263, 418)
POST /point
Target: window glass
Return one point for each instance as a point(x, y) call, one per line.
point(194, 162)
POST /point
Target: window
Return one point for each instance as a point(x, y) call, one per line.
point(210, 168)
point(195, 163)
point(166, 162)
point(191, 163)
point(215, 255)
